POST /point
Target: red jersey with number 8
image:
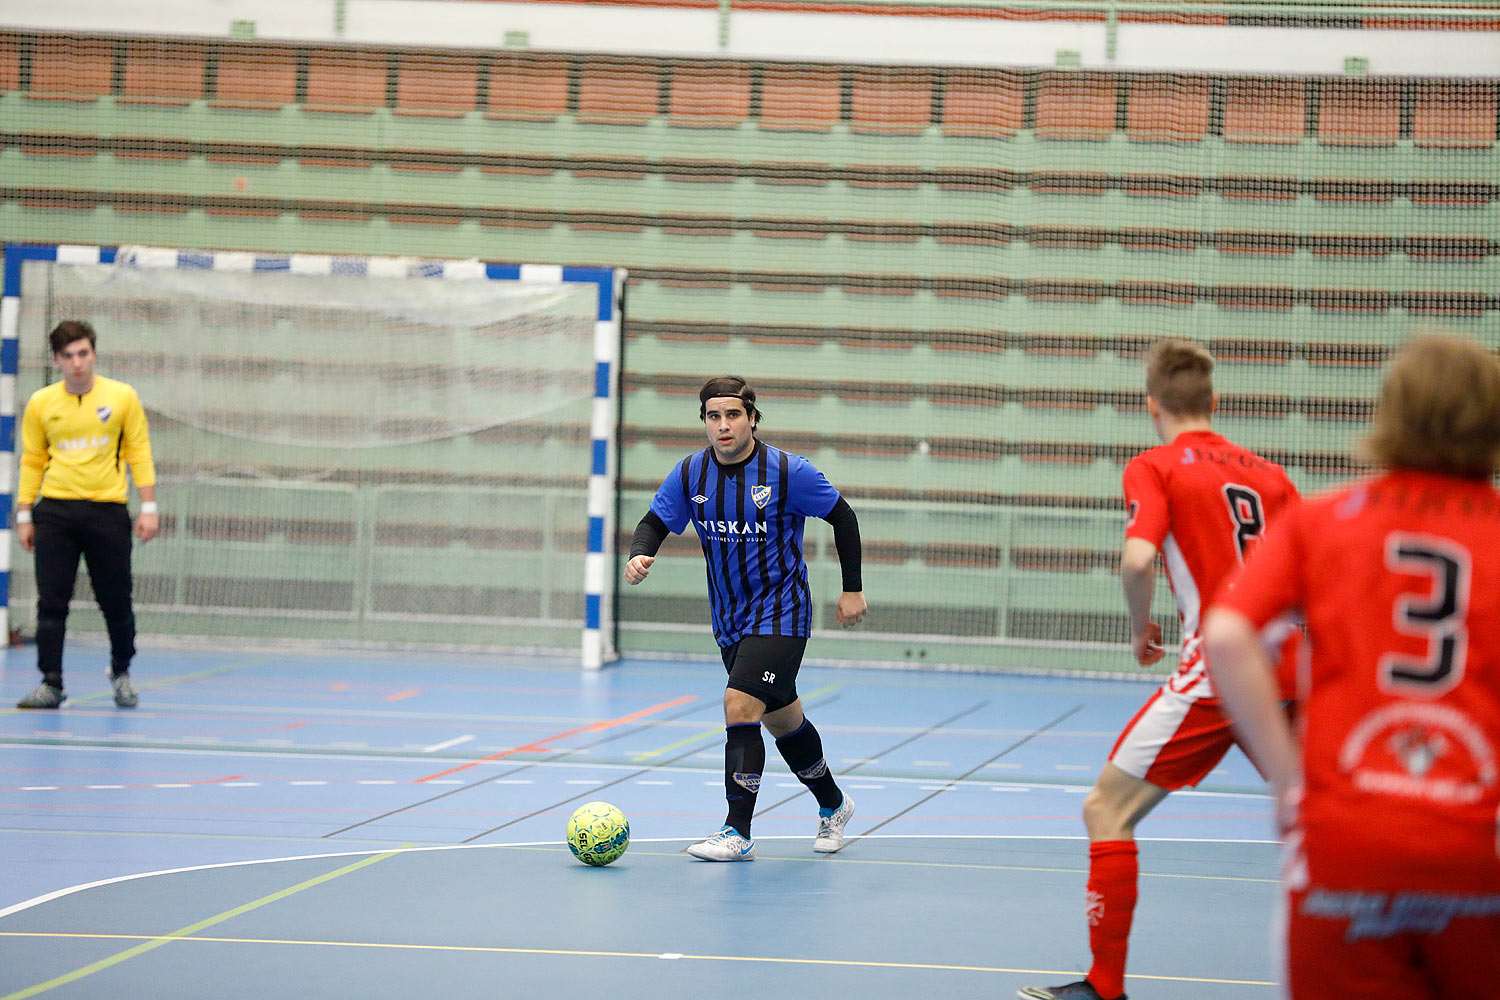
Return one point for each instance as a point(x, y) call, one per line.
point(1204, 502)
point(1399, 578)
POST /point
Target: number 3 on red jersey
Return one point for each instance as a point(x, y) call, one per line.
point(1437, 617)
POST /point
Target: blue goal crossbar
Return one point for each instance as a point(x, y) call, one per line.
point(598, 631)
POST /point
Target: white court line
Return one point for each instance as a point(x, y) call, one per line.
point(447, 743)
point(116, 880)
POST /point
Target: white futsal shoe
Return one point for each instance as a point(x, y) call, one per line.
point(726, 845)
point(831, 827)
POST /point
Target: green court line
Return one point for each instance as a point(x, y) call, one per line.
point(582, 953)
point(165, 682)
point(150, 944)
point(706, 733)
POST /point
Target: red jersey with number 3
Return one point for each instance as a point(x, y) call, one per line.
point(1399, 577)
point(1204, 502)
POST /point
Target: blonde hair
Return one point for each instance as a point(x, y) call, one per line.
point(1439, 409)
point(1179, 376)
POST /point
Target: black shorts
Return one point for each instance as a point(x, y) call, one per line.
point(765, 667)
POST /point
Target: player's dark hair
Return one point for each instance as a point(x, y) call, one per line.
point(1179, 376)
point(1439, 409)
point(728, 385)
point(68, 331)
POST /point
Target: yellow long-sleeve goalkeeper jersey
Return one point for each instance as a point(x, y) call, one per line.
point(77, 447)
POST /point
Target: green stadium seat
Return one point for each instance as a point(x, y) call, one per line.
point(346, 81)
point(1454, 114)
point(1265, 111)
point(1075, 106)
point(526, 88)
point(1167, 108)
point(163, 72)
point(800, 98)
point(72, 69)
point(618, 91)
point(439, 86)
point(255, 77)
point(1359, 113)
point(709, 95)
point(983, 103)
point(890, 101)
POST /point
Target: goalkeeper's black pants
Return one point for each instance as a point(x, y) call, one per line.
point(100, 533)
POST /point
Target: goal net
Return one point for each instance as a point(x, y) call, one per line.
point(373, 450)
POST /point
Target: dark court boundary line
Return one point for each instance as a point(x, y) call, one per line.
point(954, 781)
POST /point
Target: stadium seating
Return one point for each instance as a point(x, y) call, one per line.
point(255, 77)
point(163, 72)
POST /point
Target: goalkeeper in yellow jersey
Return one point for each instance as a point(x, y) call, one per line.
point(77, 437)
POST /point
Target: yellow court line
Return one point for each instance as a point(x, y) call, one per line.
point(181, 934)
point(581, 953)
point(705, 734)
point(196, 675)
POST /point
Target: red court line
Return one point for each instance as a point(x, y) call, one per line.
point(541, 744)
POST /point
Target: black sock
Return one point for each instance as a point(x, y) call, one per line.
point(744, 760)
point(803, 752)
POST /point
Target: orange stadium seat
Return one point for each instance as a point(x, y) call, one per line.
point(10, 63)
point(801, 98)
point(618, 91)
point(1167, 108)
point(163, 72)
point(709, 95)
point(983, 103)
point(1454, 115)
point(255, 76)
point(1075, 106)
point(524, 88)
point(1359, 113)
point(891, 101)
point(1265, 111)
point(72, 69)
point(346, 82)
point(442, 86)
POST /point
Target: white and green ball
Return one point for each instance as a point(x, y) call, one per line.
point(598, 833)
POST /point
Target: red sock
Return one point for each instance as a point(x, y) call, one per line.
point(1110, 901)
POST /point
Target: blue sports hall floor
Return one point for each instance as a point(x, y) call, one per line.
point(291, 824)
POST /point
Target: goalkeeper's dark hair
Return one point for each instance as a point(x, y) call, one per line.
point(70, 330)
point(728, 385)
point(1179, 376)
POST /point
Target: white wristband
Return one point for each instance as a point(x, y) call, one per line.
point(23, 516)
point(148, 506)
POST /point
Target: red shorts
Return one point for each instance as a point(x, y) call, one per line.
point(1433, 952)
point(1174, 740)
point(1177, 738)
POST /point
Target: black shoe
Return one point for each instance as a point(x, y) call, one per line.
point(1081, 990)
point(45, 696)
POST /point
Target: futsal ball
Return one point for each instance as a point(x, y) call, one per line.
point(598, 833)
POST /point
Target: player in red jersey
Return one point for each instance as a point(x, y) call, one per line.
point(1390, 799)
point(1202, 502)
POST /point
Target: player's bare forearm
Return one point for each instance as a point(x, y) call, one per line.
point(1138, 578)
point(1244, 680)
point(850, 608)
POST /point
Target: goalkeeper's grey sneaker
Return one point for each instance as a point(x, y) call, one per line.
point(1081, 990)
point(831, 827)
point(125, 695)
point(726, 845)
point(45, 696)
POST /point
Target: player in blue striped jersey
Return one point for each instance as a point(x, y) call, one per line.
point(748, 502)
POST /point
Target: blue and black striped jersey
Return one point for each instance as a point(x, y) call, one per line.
point(749, 518)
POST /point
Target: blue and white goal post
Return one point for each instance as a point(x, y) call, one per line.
point(392, 450)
